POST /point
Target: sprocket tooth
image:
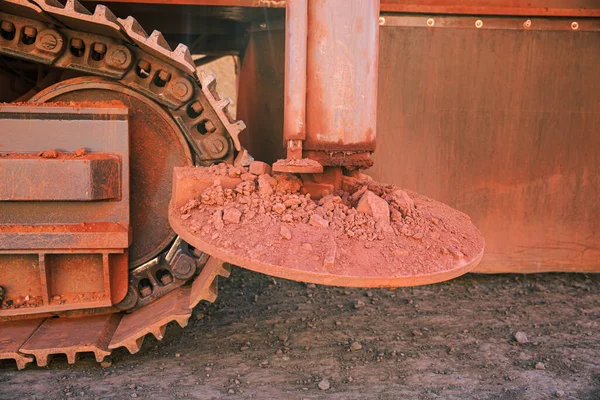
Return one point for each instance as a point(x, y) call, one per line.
point(208, 81)
point(182, 52)
point(224, 103)
point(26, 9)
point(76, 16)
point(157, 39)
point(74, 5)
point(133, 27)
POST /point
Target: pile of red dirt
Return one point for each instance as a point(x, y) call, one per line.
point(364, 227)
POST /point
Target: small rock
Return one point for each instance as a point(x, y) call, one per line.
point(285, 232)
point(359, 304)
point(279, 208)
point(318, 221)
point(48, 154)
point(231, 391)
point(259, 168)
point(199, 316)
point(355, 346)
point(560, 394)
point(232, 215)
point(417, 333)
point(106, 363)
point(371, 204)
point(218, 220)
point(405, 204)
point(292, 202)
point(134, 395)
point(521, 337)
point(248, 177)
point(324, 384)
point(80, 152)
point(265, 185)
point(307, 246)
point(540, 365)
point(311, 286)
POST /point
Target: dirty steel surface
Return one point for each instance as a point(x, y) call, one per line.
point(45, 338)
point(453, 340)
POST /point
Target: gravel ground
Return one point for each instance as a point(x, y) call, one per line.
point(275, 339)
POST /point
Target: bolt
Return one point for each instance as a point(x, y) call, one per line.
point(527, 24)
point(196, 108)
point(146, 291)
point(164, 76)
point(99, 48)
point(166, 279)
point(478, 23)
point(430, 22)
point(381, 21)
point(49, 41)
point(143, 68)
point(209, 126)
point(29, 34)
point(77, 44)
point(7, 27)
point(574, 25)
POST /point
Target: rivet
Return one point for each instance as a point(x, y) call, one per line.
point(527, 24)
point(574, 25)
point(430, 22)
point(381, 21)
point(478, 23)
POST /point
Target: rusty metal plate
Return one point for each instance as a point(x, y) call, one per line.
point(71, 336)
point(12, 336)
point(26, 177)
point(505, 128)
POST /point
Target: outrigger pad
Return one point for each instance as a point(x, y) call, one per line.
point(366, 235)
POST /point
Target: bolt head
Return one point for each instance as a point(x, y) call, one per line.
point(209, 126)
point(146, 291)
point(478, 23)
point(99, 48)
point(164, 75)
point(527, 24)
point(77, 43)
point(574, 25)
point(196, 107)
point(381, 21)
point(143, 64)
point(29, 31)
point(430, 22)
point(7, 26)
point(263, 26)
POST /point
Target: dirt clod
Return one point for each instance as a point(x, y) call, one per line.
point(521, 337)
point(324, 385)
point(260, 168)
point(355, 346)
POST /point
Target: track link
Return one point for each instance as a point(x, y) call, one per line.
point(40, 339)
